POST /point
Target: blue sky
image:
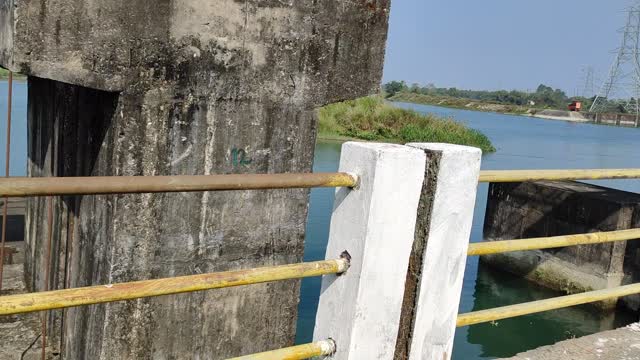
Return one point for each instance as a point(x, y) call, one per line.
point(510, 44)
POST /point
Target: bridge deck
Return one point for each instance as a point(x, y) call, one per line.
point(623, 343)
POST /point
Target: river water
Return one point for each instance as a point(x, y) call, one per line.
point(522, 143)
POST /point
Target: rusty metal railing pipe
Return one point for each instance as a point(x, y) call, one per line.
point(503, 246)
point(46, 186)
point(306, 351)
point(505, 312)
point(60, 299)
point(47, 276)
point(5, 206)
point(536, 175)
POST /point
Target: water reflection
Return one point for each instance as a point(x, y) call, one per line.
point(508, 337)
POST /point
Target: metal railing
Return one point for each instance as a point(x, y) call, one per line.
point(59, 299)
point(535, 175)
point(367, 218)
point(440, 273)
point(319, 348)
point(533, 307)
point(95, 185)
point(497, 247)
point(503, 246)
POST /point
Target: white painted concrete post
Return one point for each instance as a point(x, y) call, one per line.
point(375, 223)
point(451, 189)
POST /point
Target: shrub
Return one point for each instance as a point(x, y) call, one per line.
point(372, 118)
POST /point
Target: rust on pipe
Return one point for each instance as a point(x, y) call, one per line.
point(67, 266)
point(5, 207)
point(60, 299)
point(47, 255)
point(95, 185)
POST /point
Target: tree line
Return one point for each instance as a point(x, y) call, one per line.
point(544, 96)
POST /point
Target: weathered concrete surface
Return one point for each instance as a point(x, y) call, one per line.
point(613, 119)
point(361, 309)
point(550, 208)
point(620, 344)
point(19, 334)
point(449, 192)
point(180, 87)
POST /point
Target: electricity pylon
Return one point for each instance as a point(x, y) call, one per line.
point(622, 85)
point(588, 88)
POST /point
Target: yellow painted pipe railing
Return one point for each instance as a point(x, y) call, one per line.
point(533, 307)
point(320, 348)
point(496, 247)
point(45, 186)
point(535, 175)
point(58, 299)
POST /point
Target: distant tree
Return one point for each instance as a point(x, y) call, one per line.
point(544, 96)
point(415, 88)
point(394, 87)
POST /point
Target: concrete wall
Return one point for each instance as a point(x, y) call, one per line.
point(6, 30)
point(550, 208)
point(313, 52)
point(181, 87)
point(612, 118)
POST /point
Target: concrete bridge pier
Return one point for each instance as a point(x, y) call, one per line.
point(179, 87)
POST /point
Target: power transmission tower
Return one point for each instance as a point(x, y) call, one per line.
point(588, 88)
point(622, 85)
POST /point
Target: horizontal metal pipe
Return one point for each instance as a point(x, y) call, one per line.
point(23, 186)
point(58, 299)
point(306, 351)
point(535, 175)
point(533, 307)
point(496, 247)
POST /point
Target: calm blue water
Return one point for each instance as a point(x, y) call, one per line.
point(523, 143)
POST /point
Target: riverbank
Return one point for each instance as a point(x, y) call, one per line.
point(462, 103)
point(482, 106)
point(374, 119)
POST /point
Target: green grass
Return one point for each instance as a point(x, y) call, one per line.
point(372, 118)
point(4, 74)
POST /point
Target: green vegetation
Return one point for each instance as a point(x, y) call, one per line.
point(372, 118)
point(515, 102)
point(459, 103)
point(4, 74)
point(544, 96)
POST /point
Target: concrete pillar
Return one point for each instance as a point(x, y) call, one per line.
point(433, 284)
point(375, 224)
point(181, 87)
